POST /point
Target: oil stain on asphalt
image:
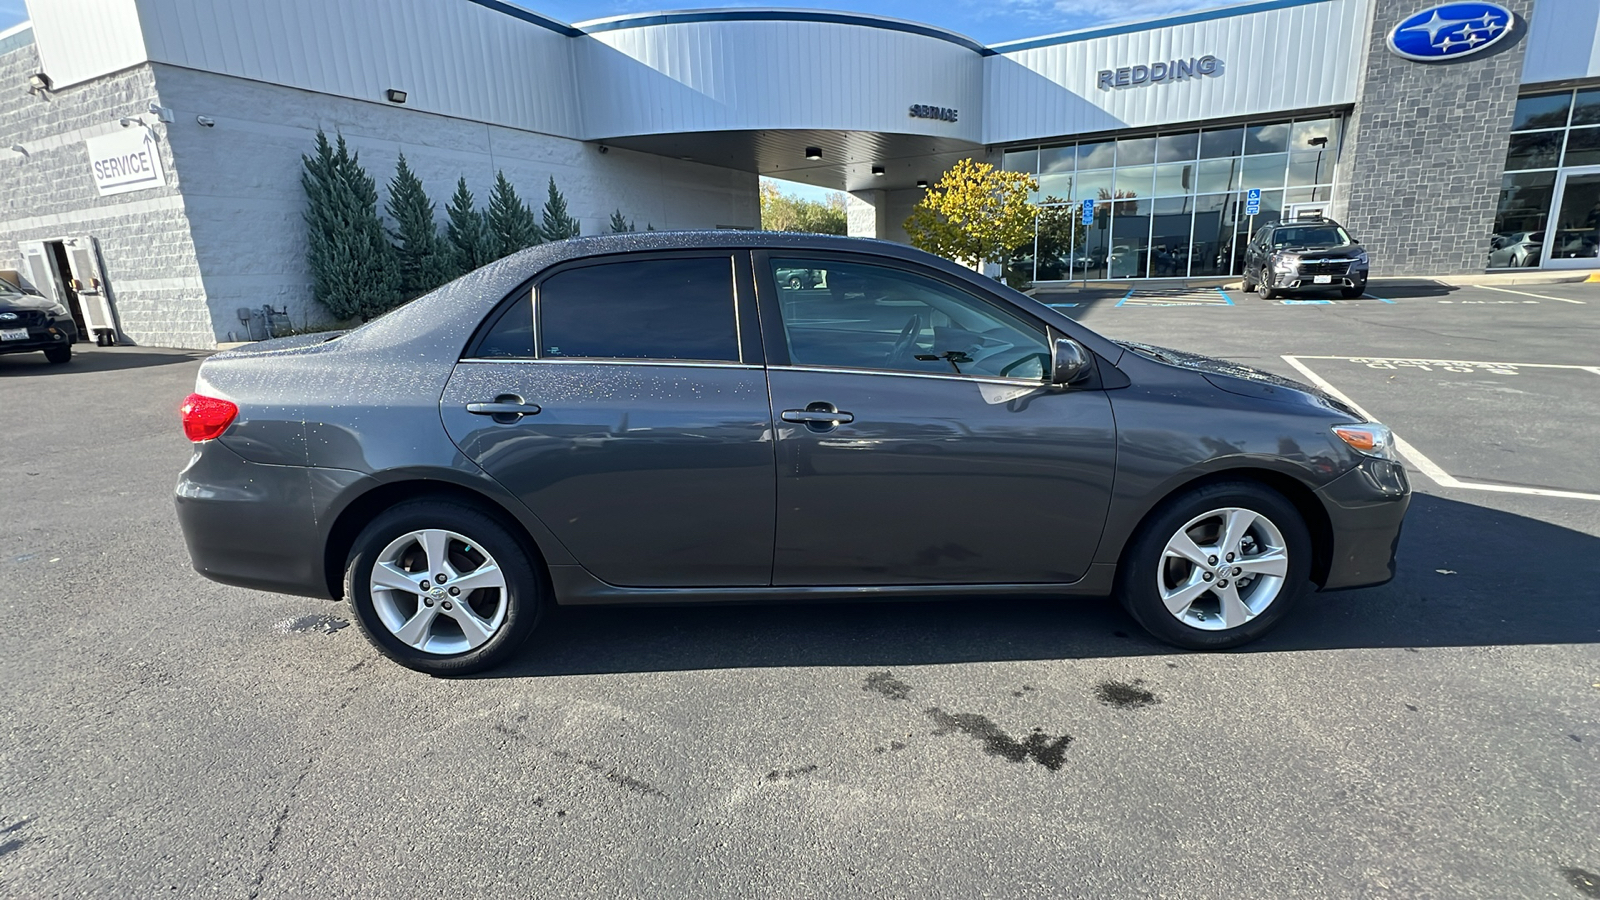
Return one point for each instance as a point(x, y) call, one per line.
point(1040, 747)
point(790, 774)
point(887, 685)
point(1587, 883)
point(1125, 694)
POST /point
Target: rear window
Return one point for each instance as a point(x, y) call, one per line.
point(641, 309)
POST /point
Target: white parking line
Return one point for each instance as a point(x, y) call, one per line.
point(1526, 294)
point(1427, 466)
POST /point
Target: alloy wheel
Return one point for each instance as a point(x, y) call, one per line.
point(438, 592)
point(1222, 569)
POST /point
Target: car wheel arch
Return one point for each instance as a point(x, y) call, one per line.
point(1294, 490)
point(361, 510)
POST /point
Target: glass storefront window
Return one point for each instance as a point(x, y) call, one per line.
point(1220, 142)
point(1177, 147)
point(1534, 150)
point(1219, 175)
point(1583, 147)
point(1135, 181)
point(1587, 110)
point(1576, 234)
point(1320, 134)
point(1266, 138)
point(1175, 178)
point(1520, 220)
point(1093, 185)
point(1308, 194)
point(1264, 171)
point(1136, 152)
point(1021, 161)
point(1309, 168)
point(1169, 237)
point(1097, 156)
point(1130, 240)
point(1542, 111)
point(1212, 244)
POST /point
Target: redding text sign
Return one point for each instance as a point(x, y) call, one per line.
point(1157, 72)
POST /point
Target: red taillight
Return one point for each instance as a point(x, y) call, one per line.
point(205, 417)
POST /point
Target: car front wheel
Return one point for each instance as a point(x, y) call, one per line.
point(1217, 567)
point(58, 355)
point(443, 588)
point(1264, 285)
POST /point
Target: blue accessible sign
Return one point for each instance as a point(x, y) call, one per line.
point(1252, 202)
point(1088, 212)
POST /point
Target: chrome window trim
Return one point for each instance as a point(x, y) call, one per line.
point(605, 361)
point(986, 379)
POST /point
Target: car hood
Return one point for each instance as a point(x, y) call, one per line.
point(20, 302)
point(1246, 381)
point(1343, 251)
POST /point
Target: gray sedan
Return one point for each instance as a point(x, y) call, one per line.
point(657, 418)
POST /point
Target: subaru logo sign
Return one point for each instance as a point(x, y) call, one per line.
point(1450, 31)
point(7, 317)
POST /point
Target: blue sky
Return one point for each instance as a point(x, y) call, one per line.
point(987, 21)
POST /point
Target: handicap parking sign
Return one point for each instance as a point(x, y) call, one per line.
point(1253, 195)
point(1088, 212)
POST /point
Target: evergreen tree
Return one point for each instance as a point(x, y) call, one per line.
point(351, 261)
point(558, 226)
point(511, 223)
point(467, 232)
point(421, 257)
point(619, 224)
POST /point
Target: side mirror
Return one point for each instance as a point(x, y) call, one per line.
point(1070, 363)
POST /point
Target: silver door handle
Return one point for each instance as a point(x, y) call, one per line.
point(817, 417)
point(509, 406)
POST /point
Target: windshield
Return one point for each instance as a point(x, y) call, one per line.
point(1310, 236)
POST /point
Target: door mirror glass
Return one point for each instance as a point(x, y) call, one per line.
point(1070, 363)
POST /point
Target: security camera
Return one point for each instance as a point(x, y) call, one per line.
point(126, 121)
point(604, 149)
point(207, 121)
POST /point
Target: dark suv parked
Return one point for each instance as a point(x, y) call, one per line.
point(1305, 254)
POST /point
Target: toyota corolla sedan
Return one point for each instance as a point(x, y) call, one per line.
point(653, 418)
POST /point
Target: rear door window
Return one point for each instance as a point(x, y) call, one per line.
point(678, 308)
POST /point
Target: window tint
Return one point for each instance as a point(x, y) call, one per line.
point(512, 335)
point(641, 309)
point(858, 316)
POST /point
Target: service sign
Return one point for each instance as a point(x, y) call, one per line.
point(125, 160)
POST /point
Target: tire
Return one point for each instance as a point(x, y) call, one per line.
point(1352, 293)
point(1249, 287)
point(1149, 568)
point(58, 355)
point(468, 637)
point(1264, 286)
point(794, 283)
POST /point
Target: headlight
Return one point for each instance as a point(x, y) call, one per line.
point(1368, 439)
point(59, 309)
point(1361, 256)
point(1285, 262)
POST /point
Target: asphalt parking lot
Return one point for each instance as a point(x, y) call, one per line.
point(1435, 737)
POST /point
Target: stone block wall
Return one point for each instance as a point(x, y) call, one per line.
point(49, 194)
point(1424, 151)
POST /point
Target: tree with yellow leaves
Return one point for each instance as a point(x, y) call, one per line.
point(974, 214)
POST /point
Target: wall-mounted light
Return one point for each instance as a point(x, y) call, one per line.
point(130, 121)
point(1318, 142)
point(877, 170)
point(164, 113)
point(923, 184)
point(207, 121)
point(19, 149)
point(395, 95)
point(813, 153)
point(39, 81)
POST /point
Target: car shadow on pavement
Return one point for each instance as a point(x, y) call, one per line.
point(100, 359)
point(1505, 579)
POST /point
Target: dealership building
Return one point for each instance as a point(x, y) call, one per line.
point(150, 160)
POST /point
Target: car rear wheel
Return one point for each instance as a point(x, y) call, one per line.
point(1217, 567)
point(58, 355)
point(443, 588)
point(1264, 285)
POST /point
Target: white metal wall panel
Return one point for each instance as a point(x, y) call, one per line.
point(1563, 41)
point(449, 56)
point(1279, 59)
point(83, 39)
point(733, 75)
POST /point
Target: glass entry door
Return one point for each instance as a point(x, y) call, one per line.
point(1573, 237)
